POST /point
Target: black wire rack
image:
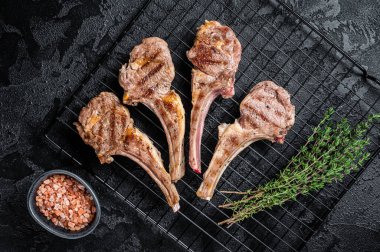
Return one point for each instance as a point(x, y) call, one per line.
point(278, 45)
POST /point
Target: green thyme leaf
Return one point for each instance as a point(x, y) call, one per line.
point(334, 150)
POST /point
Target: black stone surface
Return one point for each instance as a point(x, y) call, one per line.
point(47, 46)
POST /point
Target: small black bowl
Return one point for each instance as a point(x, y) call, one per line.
point(49, 225)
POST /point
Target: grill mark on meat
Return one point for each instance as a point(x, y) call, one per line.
point(113, 129)
point(204, 60)
point(244, 121)
point(150, 74)
point(279, 100)
point(121, 122)
point(151, 59)
point(123, 127)
point(196, 108)
point(102, 132)
point(201, 95)
point(234, 141)
point(279, 113)
point(263, 116)
point(149, 92)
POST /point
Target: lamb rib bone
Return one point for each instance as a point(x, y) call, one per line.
point(215, 55)
point(106, 125)
point(147, 79)
point(266, 114)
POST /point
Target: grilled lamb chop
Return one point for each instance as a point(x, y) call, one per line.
point(106, 125)
point(147, 79)
point(266, 113)
point(215, 56)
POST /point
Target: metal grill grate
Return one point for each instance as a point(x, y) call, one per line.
point(277, 45)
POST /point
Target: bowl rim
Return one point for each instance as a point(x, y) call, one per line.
point(43, 221)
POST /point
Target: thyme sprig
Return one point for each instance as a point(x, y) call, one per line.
point(333, 150)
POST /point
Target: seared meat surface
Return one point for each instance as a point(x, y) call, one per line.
point(147, 79)
point(106, 125)
point(215, 55)
point(266, 113)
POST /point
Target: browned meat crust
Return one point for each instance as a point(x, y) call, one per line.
point(147, 79)
point(266, 114)
point(106, 125)
point(215, 55)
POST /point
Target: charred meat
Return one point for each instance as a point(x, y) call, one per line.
point(266, 113)
point(106, 125)
point(147, 79)
point(215, 55)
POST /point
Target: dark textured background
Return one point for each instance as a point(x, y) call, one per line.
point(47, 46)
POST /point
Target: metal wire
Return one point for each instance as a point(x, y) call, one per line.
point(226, 111)
point(288, 226)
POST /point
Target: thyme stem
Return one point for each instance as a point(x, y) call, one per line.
point(333, 150)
